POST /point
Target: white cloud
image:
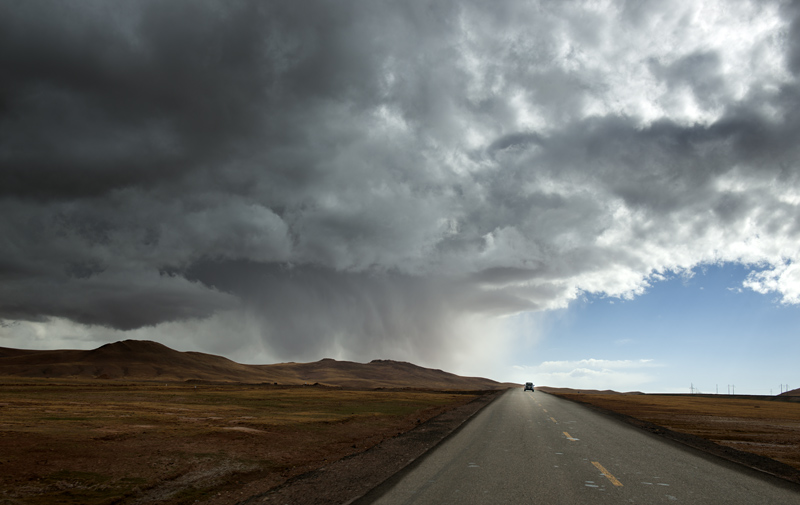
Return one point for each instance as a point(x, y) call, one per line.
point(599, 374)
point(783, 279)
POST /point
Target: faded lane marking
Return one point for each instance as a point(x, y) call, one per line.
point(569, 437)
point(607, 474)
point(553, 419)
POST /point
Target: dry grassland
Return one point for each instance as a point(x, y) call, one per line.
point(767, 428)
point(84, 442)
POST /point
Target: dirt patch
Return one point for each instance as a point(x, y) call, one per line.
point(762, 433)
point(242, 428)
point(110, 443)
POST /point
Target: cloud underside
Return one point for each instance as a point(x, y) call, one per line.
point(375, 172)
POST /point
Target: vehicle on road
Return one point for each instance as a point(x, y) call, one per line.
point(528, 386)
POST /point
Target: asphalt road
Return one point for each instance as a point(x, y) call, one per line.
point(536, 448)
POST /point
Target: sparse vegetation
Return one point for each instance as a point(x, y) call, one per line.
point(102, 442)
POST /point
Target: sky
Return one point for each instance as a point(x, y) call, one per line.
point(587, 194)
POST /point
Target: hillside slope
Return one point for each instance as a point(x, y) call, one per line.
point(146, 360)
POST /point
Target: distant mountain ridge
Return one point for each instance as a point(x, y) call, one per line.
point(557, 391)
point(147, 360)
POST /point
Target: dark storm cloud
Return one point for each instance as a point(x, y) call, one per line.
point(700, 72)
point(305, 309)
point(514, 141)
point(362, 175)
point(99, 97)
point(792, 11)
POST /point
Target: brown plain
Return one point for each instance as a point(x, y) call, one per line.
point(84, 442)
point(137, 422)
point(769, 428)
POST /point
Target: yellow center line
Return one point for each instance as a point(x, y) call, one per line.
point(607, 474)
point(545, 410)
point(569, 437)
point(553, 420)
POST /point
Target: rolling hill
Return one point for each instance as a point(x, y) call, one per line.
point(558, 391)
point(151, 361)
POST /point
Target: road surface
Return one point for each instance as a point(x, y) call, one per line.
point(537, 448)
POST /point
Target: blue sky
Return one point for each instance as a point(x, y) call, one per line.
point(703, 330)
